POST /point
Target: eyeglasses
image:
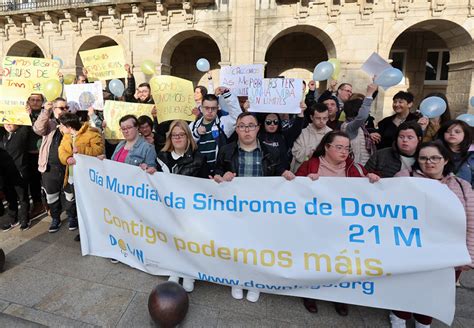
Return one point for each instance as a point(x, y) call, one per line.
point(435, 159)
point(250, 127)
point(270, 122)
point(341, 148)
point(178, 135)
point(62, 107)
point(210, 109)
point(126, 128)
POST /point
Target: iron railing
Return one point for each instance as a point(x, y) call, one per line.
point(12, 6)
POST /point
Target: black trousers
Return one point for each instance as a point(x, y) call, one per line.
point(17, 196)
point(53, 181)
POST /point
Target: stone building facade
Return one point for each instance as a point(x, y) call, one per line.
point(430, 40)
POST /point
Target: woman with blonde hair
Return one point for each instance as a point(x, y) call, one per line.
point(180, 155)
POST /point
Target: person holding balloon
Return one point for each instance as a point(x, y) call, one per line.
point(456, 136)
point(387, 128)
point(435, 111)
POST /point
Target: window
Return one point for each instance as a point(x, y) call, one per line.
point(436, 69)
point(398, 58)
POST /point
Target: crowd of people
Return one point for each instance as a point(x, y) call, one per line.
point(332, 136)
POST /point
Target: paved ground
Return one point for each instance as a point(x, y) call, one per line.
point(48, 283)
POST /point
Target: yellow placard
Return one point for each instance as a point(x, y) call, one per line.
point(114, 110)
point(174, 98)
point(29, 73)
point(104, 63)
point(13, 106)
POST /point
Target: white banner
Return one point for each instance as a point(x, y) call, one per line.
point(388, 244)
point(239, 78)
point(85, 95)
point(276, 95)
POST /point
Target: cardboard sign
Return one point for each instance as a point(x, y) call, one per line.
point(174, 98)
point(238, 78)
point(114, 110)
point(13, 106)
point(85, 95)
point(104, 63)
point(375, 65)
point(276, 95)
point(29, 73)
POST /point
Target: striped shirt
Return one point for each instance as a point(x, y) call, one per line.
point(207, 145)
point(250, 163)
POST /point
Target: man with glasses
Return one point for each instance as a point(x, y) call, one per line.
point(49, 164)
point(211, 132)
point(247, 157)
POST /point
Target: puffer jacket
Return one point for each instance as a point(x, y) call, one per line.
point(384, 162)
point(87, 141)
point(462, 189)
point(192, 164)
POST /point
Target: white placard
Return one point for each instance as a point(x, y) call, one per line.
point(238, 78)
point(375, 65)
point(276, 95)
point(85, 95)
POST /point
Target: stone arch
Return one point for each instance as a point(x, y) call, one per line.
point(418, 45)
point(296, 50)
point(26, 48)
point(182, 50)
point(95, 42)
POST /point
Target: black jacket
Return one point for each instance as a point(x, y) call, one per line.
point(387, 130)
point(17, 146)
point(228, 160)
point(192, 164)
point(384, 162)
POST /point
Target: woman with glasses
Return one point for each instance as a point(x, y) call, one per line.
point(180, 156)
point(434, 162)
point(456, 136)
point(282, 140)
point(134, 149)
point(332, 159)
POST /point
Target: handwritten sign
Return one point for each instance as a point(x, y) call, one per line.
point(174, 98)
point(104, 63)
point(114, 110)
point(276, 95)
point(238, 78)
point(29, 73)
point(13, 106)
point(85, 95)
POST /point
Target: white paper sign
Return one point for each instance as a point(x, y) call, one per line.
point(324, 239)
point(375, 65)
point(276, 95)
point(85, 95)
point(238, 78)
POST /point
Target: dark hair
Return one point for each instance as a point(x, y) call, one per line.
point(446, 116)
point(144, 119)
point(351, 107)
point(37, 94)
point(203, 90)
point(327, 139)
point(404, 95)
point(128, 117)
point(448, 167)
point(244, 114)
point(261, 117)
point(466, 142)
point(59, 99)
point(317, 107)
point(343, 85)
point(70, 120)
point(410, 125)
point(145, 84)
point(210, 97)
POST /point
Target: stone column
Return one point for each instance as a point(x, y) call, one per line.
point(243, 32)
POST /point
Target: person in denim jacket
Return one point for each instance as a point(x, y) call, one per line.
point(134, 150)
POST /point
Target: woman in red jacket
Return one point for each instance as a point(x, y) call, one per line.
point(332, 159)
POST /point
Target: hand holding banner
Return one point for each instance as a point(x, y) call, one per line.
point(174, 98)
